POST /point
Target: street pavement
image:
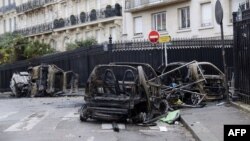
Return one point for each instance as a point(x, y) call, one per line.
point(57, 119)
point(207, 124)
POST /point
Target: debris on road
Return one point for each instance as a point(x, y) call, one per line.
point(171, 117)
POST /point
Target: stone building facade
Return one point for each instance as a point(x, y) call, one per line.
point(59, 22)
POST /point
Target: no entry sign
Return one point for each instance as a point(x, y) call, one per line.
point(153, 36)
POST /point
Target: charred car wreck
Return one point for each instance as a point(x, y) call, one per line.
point(193, 82)
point(43, 80)
point(123, 91)
point(135, 92)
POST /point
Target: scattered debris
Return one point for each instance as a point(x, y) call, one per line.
point(171, 117)
point(163, 129)
point(220, 104)
point(115, 127)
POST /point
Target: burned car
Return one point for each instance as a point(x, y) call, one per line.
point(123, 91)
point(50, 80)
point(19, 84)
point(191, 81)
point(44, 80)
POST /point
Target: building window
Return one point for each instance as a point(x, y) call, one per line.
point(206, 14)
point(10, 25)
point(137, 25)
point(137, 3)
point(66, 42)
point(52, 44)
point(98, 35)
point(159, 21)
point(4, 26)
point(113, 33)
point(184, 18)
point(88, 34)
point(15, 23)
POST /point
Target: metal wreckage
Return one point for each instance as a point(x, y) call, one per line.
point(136, 92)
point(43, 80)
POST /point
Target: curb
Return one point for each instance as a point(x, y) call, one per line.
point(188, 127)
point(240, 106)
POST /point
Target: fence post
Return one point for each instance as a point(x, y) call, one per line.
point(110, 47)
point(235, 64)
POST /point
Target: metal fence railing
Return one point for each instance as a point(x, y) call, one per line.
point(83, 60)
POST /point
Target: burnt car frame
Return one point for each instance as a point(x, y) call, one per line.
point(194, 80)
point(123, 91)
point(44, 80)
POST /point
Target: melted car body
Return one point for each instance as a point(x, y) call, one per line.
point(122, 91)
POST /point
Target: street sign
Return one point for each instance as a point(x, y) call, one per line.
point(164, 39)
point(153, 36)
point(218, 12)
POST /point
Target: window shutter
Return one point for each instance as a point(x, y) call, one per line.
point(206, 14)
point(138, 25)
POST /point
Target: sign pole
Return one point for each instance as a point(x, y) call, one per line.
point(166, 54)
point(162, 53)
point(219, 20)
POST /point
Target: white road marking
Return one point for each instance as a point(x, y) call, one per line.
point(70, 115)
point(91, 138)
point(7, 115)
point(108, 126)
point(28, 122)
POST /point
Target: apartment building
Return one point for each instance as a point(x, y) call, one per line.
point(178, 18)
point(59, 22)
point(8, 18)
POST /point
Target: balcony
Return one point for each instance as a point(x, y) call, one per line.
point(8, 8)
point(140, 5)
point(32, 5)
point(74, 21)
point(88, 18)
point(38, 29)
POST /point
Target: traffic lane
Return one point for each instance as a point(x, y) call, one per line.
point(31, 119)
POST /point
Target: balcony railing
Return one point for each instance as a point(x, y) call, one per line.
point(94, 15)
point(7, 8)
point(46, 27)
point(31, 5)
point(137, 4)
point(87, 17)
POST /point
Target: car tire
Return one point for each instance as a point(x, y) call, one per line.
point(163, 107)
point(83, 113)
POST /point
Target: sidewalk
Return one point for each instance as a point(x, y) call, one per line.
point(207, 124)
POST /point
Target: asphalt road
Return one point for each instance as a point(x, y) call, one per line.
point(57, 119)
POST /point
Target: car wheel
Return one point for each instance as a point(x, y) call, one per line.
point(163, 106)
point(195, 98)
point(83, 113)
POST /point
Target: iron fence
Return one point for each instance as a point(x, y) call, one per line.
point(7, 8)
point(83, 60)
point(85, 17)
point(241, 20)
point(34, 4)
point(46, 27)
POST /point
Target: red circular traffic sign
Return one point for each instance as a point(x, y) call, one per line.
point(153, 36)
